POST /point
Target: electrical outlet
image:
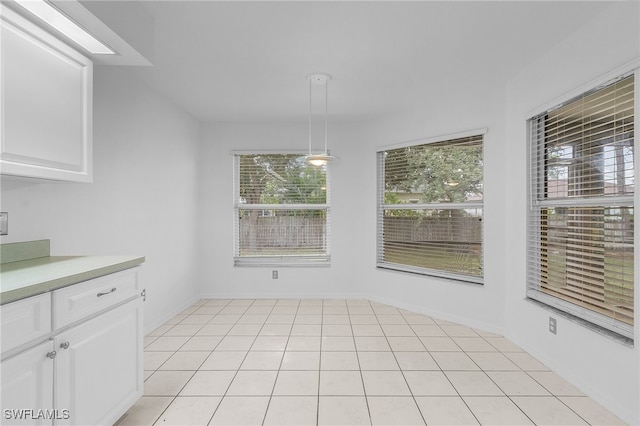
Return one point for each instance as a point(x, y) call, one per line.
point(274, 274)
point(553, 325)
point(4, 223)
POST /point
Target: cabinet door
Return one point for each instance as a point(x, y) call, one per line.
point(99, 366)
point(27, 387)
point(46, 109)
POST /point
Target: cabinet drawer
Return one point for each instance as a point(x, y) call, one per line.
point(78, 301)
point(25, 320)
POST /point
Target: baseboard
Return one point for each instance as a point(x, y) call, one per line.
point(168, 315)
point(351, 296)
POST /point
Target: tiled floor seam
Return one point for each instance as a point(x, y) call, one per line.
point(366, 400)
point(175, 397)
point(406, 382)
point(236, 371)
point(275, 382)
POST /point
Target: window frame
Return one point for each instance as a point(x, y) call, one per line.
point(282, 260)
point(536, 203)
point(381, 207)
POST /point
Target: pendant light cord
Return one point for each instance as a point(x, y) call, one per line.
point(319, 79)
point(310, 116)
point(326, 115)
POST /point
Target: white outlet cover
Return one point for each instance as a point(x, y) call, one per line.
point(4, 223)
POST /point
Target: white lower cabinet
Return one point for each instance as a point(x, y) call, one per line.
point(27, 386)
point(82, 362)
point(99, 366)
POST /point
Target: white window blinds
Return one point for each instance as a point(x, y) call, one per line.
point(430, 208)
point(580, 227)
point(281, 211)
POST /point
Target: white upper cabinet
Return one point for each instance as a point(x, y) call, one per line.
point(46, 107)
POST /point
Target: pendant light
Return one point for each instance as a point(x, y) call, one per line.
point(319, 159)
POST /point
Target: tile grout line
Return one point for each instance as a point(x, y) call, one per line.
point(239, 366)
point(264, 419)
point(174, 397)
point(238, 369)
point(402, 371)
point(320, 362)
point(498, 386)
point(231, 381)
point(364, 390)
point(481, 369)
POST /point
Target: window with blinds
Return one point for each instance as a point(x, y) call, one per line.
point(581, 212)
point(430, 208)
point(281, 211)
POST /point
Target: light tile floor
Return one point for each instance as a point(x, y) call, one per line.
point(343, 362)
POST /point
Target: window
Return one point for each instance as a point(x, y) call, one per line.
point(581, 211)
point(430, 208)
point(281, 211)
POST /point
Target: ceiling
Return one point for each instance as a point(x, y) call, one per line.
point(248, 61)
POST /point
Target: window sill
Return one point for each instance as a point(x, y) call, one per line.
point(281, 262)
point(463, 279)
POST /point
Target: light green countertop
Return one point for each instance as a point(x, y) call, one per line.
point(25, 278)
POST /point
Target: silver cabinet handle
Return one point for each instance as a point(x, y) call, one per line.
point(64, 345)
point(51, 354)
point(106, 292)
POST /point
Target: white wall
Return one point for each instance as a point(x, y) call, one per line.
point(604, 369)
point(143, 199)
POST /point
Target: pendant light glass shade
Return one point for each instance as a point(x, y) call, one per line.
point(319, 159)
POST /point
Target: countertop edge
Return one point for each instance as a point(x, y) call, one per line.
point(55, 284)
